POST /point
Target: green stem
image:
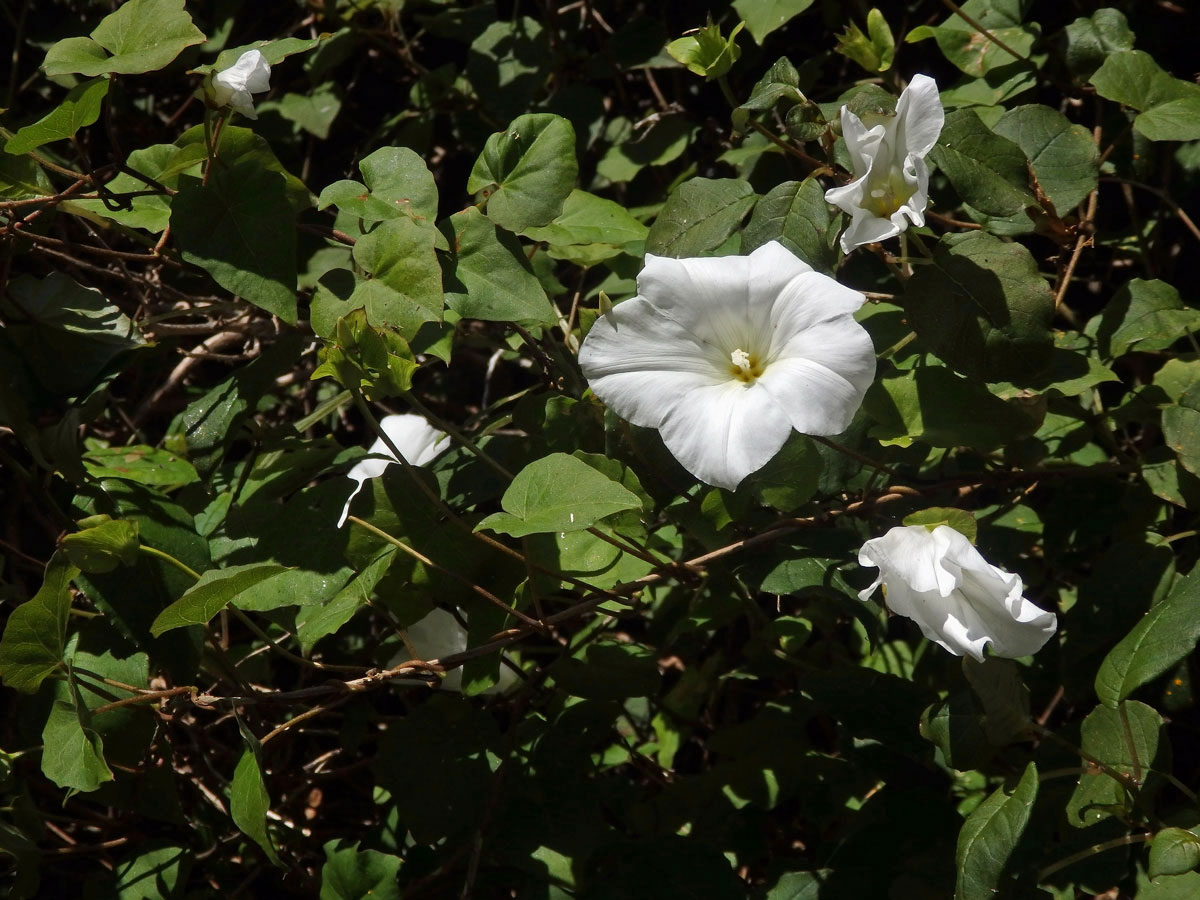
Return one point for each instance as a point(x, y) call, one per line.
point(329, 406)
point(168, 558)
point(1092, 851)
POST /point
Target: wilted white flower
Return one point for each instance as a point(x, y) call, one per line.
point(726, 355)
point(439, 635)
point(232, 87)
point(417, 440)
point(961, 601)
point(892, 184)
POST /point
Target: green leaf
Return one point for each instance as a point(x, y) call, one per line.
point(875, 50)
point(764, 16)
point(22, 177)
point(377, 361)
point(659, 143)
point(1063, 155)
point(489, 263)
point(146, 465)
point(989, 172)
point(351, 874)
point(589, 223)
point(315, 622)
point(73, 753)
point(80, 108)
point(792, 476)
point(797, 886)
point(1132, 752)
point(527, 171)
point(141, 36)
point(208, 596)
point(933, 405)
point(152, 874)
point(152, 211)
point(1164, 636)
point(104, 546)
point(983, 308)
point(1092, 40)
point(997, 683)
point(960, 520)
point(609, 670)
point(1173, 852)
point(398, 183)
point(1144, 315)
point(36, 633)
point(558, 493)
point(1169, 106)
point(400, 254)
point(970, 50)
point(707, 52)
point(795, 214)
point(67, 333)
point(990, 835)
point(314, 111)
point(699, 215)
point(249, 801)
point(274, 52)
point(239, 227)
point(1181, 429)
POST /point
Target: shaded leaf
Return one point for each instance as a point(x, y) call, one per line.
point(1173, 852)
point(239, 228)
point(36, 632)
point(990, 835)
point(353, 874)
point(80, 108)
point(1165, 635)
point(983, 308)
point(209, 595)
point(73, 753)
point(1129, 752)
point(988, 171)
point(249, 801)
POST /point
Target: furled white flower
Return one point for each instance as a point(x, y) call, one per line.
point(956, 596)
point(439, 635)
point(232, 87)
point(726, 355)
point(417, 440)
point(892, 184)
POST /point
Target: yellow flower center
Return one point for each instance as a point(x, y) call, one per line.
point(745, 367)
point(884, 196)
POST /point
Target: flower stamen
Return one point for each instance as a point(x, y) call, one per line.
point(745, 366)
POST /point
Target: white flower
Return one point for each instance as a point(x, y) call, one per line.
point(957, 597)
point(417, 440)
point(892, 184)
point(232, 87)
point(726, 355)
point(439, 635)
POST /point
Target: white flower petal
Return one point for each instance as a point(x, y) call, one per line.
point(418, 442)
point(821, 379)
point(920, 116)
point(861, 142)
point(955, 596)
point(866, 228)
point(722, 433)
point(232, 87)
point(705, 355)
point(892, 184)
point(437, 636)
